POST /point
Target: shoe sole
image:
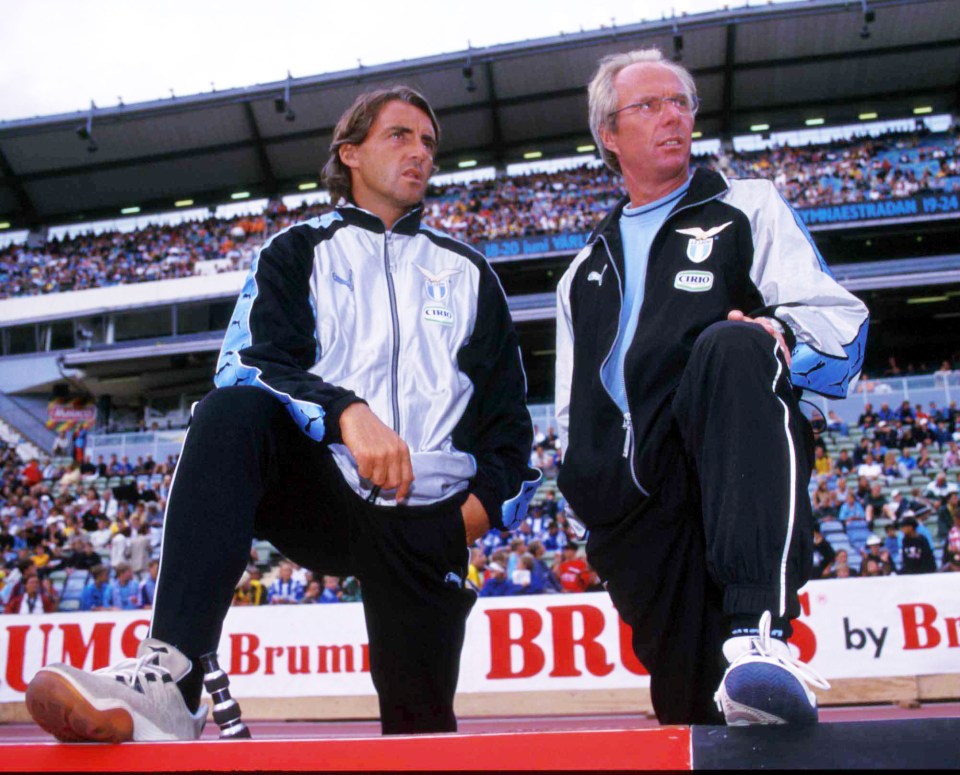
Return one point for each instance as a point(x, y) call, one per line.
point(60, 709)
point(764, 695)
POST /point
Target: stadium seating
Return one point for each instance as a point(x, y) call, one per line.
point(567, 201)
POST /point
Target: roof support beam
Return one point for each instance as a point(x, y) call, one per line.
point(726, 111)
point(266, 170)
point(497, 128)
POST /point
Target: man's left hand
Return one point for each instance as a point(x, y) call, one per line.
point(767, 326)
point(475, 521)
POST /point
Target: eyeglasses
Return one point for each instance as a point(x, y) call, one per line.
point(651, 106)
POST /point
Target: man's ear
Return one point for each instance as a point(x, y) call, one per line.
point(609, 140)
point(348, 155)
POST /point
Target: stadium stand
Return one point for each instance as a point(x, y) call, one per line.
point(63, 521)
point(897, 165)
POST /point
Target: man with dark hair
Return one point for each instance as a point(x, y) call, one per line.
point(916, 552)
point(685, 451)
point(369, 421)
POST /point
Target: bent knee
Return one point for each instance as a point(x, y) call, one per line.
point(232, 407)
point(733, 337)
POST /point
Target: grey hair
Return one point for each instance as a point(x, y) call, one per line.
point(602, 94)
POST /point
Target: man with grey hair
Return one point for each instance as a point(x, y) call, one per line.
point(687, 455)
point(369, 420)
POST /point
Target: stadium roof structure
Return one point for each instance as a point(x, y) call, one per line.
point(777, 65)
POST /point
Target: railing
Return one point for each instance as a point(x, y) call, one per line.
point(941, 389)
point(158, 444)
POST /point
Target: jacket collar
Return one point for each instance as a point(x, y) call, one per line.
point(706, 184)
point(408, 224)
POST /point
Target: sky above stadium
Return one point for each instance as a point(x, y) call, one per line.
point(58, 55)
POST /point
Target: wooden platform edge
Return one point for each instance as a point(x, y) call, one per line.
point(903, 690)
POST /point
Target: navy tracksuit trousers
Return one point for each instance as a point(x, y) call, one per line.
point(247, 471)
point(728, 534)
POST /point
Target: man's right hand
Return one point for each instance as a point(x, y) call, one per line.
point(382, 456)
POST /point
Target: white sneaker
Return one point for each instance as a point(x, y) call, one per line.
point(765, 684)
point(136, 699)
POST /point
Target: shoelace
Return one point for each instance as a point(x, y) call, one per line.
point(761, 646)
point(131, 669)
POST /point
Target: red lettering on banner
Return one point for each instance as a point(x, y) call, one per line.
point(919, 617)
point(333, 665)
point(365, 658)
point(627, 656)
point(130, 641)
point(803, 637)
point(76, 649)
point(595, 656)
point(16, 646)
point(501, 644)
point(953, 631)
point(45, 629)
point(243, 657)
point(293, 666)
point(271, 652)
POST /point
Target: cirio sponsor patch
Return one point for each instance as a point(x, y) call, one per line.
point(694, 281)
point(437, 313)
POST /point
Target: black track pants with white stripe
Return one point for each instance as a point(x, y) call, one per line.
point(728, 533)
point(247, 470)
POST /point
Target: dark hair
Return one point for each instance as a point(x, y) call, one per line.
point(354, 126)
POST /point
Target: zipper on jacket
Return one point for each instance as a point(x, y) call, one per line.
point(395, 355)
point(395, 352)
point(627, 420)
point(627, 435)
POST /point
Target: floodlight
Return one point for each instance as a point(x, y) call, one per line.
point(85, 130)
point(869, 16)
point(282, 104)
point(467, 71)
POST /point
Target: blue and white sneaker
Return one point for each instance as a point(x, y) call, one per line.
point(765, 684)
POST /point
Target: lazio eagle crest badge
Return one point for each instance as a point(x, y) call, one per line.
point(700, 245)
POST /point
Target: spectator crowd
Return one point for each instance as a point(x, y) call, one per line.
point(885, 492)
point(571, 201)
